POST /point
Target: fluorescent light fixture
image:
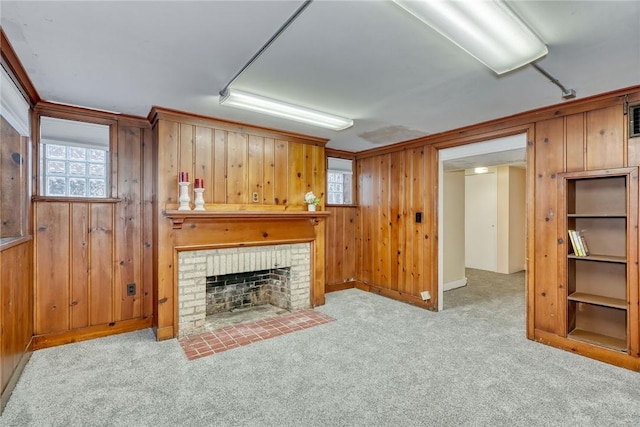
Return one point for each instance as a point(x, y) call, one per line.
point(482, 169)
point(487, 30)
point(261, 104)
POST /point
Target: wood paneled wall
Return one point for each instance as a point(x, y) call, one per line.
point(397, 181)
point(589, 140)
point(341, 241)
point(16, 302)
point(235, 161)
point(88, 251)
point(396, 252)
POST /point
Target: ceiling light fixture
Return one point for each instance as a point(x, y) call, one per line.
point(273, 107)
point(481, 169)
point(261, 104)
point(487, 30)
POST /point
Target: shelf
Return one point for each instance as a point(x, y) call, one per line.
point(601, 340)
point(597, 215)
point(178, 217)
point(602, 258)
point(599, 300)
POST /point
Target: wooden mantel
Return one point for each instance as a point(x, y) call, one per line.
point(179, 217)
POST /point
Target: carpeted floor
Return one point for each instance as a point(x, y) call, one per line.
point(380, 363)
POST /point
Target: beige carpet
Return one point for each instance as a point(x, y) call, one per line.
point(380, 363)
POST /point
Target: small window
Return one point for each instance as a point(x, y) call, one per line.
point(339, 181)
point(74, 158)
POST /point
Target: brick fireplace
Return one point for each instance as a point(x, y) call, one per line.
point(195, 266)
point(187, 241)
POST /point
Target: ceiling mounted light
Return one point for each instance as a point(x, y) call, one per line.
point(487, 30)
point(261, 104)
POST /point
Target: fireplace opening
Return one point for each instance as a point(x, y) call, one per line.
point(229, 292)
point(214, 287)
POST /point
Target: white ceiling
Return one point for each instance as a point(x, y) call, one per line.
point(368, 60)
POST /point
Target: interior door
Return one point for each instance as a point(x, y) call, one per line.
point(481, 214)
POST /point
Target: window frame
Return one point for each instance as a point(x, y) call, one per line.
point(39, 185)
point(337, 154)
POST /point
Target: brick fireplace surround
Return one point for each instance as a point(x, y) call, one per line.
point(209, 232)
point(195, 266)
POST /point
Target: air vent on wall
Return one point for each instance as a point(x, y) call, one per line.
point(634, 121)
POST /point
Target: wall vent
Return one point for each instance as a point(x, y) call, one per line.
point(634, 121)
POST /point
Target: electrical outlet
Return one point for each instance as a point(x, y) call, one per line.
point(131, 289)
point(255, 197)
point(426, 295)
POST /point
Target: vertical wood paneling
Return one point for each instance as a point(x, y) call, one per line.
point(237, 171)
point(394, 249)
point(168, 166)
point(281, 180)
point(87, 251)
point(378, 249)
point(575, 142)
point(341, 244)
point(167, 145)
point(366, 198)
point(79, 265)
point(405, 271)
point(148, 189)
point(128, 236)
point(15, 308)
point(549, 161)
point(52, 268)
point(219, 180)
point(319, 172)
point(605, 143)
point(256, 166)
point(186, 154)
point(204, 161)
point(396, 218)
point(310, 174)
point(101, 292)
point(268, 177)
point(296, 180)
point(416, 275)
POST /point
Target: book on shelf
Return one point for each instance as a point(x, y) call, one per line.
point(576, 243)
point(585, 248)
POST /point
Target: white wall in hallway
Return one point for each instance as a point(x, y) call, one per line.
point(481, 214)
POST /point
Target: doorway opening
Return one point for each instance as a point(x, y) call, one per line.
point(482, 214)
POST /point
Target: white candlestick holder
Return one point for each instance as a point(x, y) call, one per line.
point(184, 197)
point(199, 201)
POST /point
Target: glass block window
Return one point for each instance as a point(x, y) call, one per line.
point(74, 158)
point(74, 171)
point(339, 181)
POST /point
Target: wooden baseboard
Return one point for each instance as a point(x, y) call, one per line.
point(165, 333)
point(591, 351)
point(13, 380)
point(91, 332)
point(339, 286)
point(400, 296)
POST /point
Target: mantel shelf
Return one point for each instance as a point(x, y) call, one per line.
point(179, 217)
